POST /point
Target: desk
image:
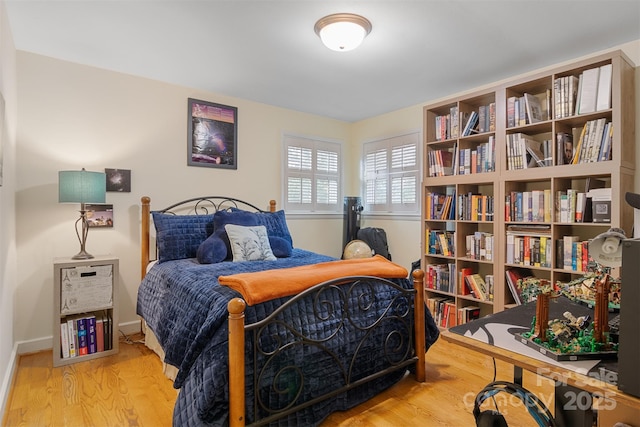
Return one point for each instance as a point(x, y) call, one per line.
point(577, 383)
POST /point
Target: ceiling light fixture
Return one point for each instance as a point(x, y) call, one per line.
point(342, 31)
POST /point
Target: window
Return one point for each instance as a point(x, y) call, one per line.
point(313, 175)
point(391, 175)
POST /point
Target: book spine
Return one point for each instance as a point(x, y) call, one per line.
point(73, 338)
point(64, 340)
point(99, 334)
point(82, 337)
point(91, 335)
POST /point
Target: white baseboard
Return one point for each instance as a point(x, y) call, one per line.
point(7, 380)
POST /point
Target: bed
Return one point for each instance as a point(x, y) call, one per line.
point(284, 338)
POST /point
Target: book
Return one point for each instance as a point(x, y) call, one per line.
point(91, 335)
point(468, 313)
point(513, 275)
point(600, 204)
point(567, 249)
point(565, 148)
point(533, 148)
point(64, 340)
point(477, 285)
point(73, 337)
point(99, 333)
point(511, 111)
point(581, 203)
point(605, 149)
point(108, 331)
point(471, 124)
point(83, 348)
point(603, 99)
point(464, 287)
point(589, 91)
point(535, 112)
point(488, 279)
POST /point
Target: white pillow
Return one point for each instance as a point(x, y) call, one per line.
point(249, 243)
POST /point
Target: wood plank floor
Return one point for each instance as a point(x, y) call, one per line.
point(129, 389)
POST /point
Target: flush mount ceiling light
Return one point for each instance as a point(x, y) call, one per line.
point(342, 31)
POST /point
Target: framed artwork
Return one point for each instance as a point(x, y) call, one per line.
point(212, 139)
point(99, 215)
point(118, 180)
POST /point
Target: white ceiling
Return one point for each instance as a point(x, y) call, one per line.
point(267, 51)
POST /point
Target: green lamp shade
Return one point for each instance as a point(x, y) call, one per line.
point(81, 187)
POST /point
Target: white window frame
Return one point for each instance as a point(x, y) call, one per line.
point(313, 175)
point(379, 177)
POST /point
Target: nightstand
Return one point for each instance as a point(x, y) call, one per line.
point(85, 310)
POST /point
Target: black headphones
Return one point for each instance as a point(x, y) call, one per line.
point(491, 418)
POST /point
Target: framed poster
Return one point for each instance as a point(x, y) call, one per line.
point(99, 215)
point(212, 139)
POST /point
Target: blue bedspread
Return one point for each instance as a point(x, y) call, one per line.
point(186, 308)
point(184, 305)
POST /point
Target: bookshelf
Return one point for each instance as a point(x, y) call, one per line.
point(529, 199)
point(85, 293)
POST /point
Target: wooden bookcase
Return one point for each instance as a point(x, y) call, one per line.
point(495, 179)
point(84, 289)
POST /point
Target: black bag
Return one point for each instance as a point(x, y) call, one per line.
point(376, 238)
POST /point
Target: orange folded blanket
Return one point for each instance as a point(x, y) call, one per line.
point(270, 284)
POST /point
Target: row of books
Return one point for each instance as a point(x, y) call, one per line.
point(528, 206)
point(446, 315)
point(528, 109)
point(524, 152)
point(480, 159)
point(440, 206)
point(571, 253)
point(441, 277)
point(565, 94)
point(443, 311)
point(479, 246)
point(458, 123)
point(440, 162)
point(594, 90)
point(571, 206)
point(480, 288)
point(594, 144)
point(85, 334)
point(441, 242)
point(475, 207)
point(529, 250)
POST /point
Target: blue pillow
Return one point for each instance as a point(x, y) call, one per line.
point(179, 236)
point(216, 248)
point(276, 224)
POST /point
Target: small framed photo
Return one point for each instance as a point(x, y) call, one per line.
point(212, 139)
point(118, 180)
point(99, 215)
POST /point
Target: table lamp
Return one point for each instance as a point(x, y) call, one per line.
point(82, 187)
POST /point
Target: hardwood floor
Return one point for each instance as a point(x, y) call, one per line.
point(129, 389)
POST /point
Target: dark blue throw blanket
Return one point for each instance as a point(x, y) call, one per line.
point(186, 308)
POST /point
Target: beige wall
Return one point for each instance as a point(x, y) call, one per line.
point(73, 116)
point(7, 206)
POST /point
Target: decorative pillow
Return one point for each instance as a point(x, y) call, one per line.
point(179, 236)
point(216, 248)
point(249, 243)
